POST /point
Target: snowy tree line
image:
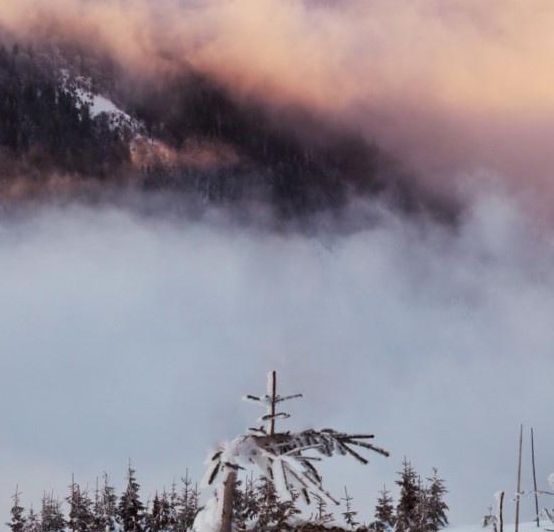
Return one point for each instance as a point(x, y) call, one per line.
point(420, 508)
point(257, 508)
point(104, 511)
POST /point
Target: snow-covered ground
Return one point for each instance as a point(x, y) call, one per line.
point(530, 526)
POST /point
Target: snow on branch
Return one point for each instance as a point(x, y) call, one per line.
point(281, 457)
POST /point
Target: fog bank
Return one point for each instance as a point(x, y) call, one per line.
point(126, 336)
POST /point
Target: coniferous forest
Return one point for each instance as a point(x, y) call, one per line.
point(419, 507)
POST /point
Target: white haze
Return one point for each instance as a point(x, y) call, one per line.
point(125, 336)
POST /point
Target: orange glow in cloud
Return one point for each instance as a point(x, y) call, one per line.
point(447, 86)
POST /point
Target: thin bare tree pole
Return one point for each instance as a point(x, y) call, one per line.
point(228, 492)
point(273, 402)
point(518, 477)
point(501, 512)
point(535, 478)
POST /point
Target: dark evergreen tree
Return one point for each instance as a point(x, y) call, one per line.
point(421, 518)
point(159, 518)
point(32, 522)
point(273, 513)
point(17, 522)
point(97, 521)
point(246, 503)
point(240, 515)
point(406, 518)
point(437, 508)
point(186, 505)
point(384, 512)
point(131, 509)
point(107, 518)
point(349, 514)
point(322, 516)
point(81, 518)
point(51, 516)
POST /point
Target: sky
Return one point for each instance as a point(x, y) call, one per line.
point(126, 336)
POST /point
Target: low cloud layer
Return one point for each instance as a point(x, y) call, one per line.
point(125, 336)
point(447, 88)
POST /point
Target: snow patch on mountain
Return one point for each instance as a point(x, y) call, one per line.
point(99, 104)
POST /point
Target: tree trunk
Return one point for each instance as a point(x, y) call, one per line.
point(228, 493)
point(501, 512)
point(518, 495)
point(535, 478)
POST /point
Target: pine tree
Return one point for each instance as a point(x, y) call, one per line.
point(81, 518)
point(384, 512)
point(167, 521)
point(173, 500)
point(349, 515)
point(108, 507)
point(51, 516)
point(186, 505)
point(421, 519)
point(131, 509)
point(323, 516)
point(159, 519)
point(17, 522)
point(97, 520)
point(437, 508)
point(406, 520)
point(272, 512)
point(32, 522)
point(239, 507)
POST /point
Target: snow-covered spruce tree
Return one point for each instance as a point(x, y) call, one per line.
point(406, 518)
point(81, 518)
point(106, 519)
point(17, 521)
point(384, 512)
point(51, 516)
point(281, 457)
point(349, 514)
point(421, 517)
point(273, 513)
point(130, 508)
point(436, 506)
point(323, 516)
point(186, 505)
point(159, 518)
point(32, 522)
point(240, 516)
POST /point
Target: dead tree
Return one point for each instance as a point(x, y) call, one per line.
point(535, 478)
point(500, 513)
point(282, 457)
point(518, 493)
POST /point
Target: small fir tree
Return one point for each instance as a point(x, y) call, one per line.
point(186, 505)
point(384, 512)
point(323, 516)
point(51, 516)
point(437, 508)
point(32, 522)
point(81, 517)
point(349, 514)
point(108, 507)
point(131, 509)
point(406, 517)
point(17, 521)
point(272, 512)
